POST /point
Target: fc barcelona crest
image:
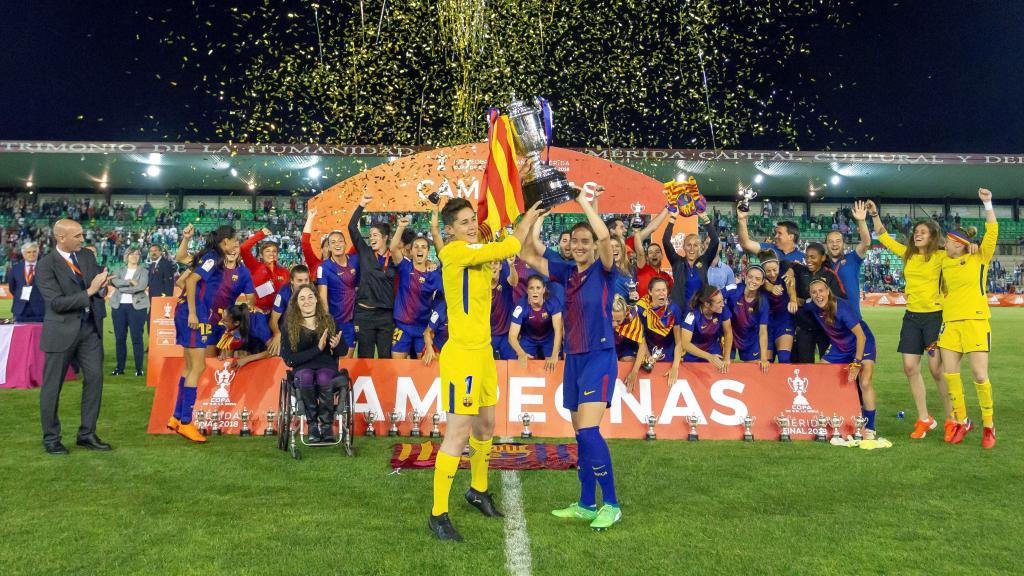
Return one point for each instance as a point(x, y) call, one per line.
point(467, 401)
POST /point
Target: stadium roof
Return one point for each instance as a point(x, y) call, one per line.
point(154, 167)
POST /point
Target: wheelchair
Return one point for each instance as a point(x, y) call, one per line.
point(293, 425)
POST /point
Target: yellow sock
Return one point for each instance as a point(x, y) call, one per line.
point(956, 396)
point(445, 467)
point(479, 461)
point(985, 400)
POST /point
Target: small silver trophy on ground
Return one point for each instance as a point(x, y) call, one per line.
point(746, 195)
point(216, 423)
point(244, 416)
point(395, 416)
point(435, 432)
point(821, 428)
point(371, 417)
point(783, 421)
point(541, 182)
point(692, 420)
point(415, 424)
point(526, 418)
point(858, 426)
point(269, 429)
point(651, 421)
point(201, 422)
point(837, 423)
point(748, 428)
point(653, 356)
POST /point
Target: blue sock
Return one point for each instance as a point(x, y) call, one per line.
point(870, 415)
point(181, 394)
point(588, 483)
point(783, 356)
point(187, 403)
point(600, 461)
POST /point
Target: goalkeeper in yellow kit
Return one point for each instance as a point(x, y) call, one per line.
point(965, 325)
point(469, 376)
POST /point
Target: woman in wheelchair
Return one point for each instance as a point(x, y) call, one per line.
point(311, 346)
point(237, 341)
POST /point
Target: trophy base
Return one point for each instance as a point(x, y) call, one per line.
point(837, 437)
point(785, 438)
point(245, 433)
point(820, 439)
point(269, 432)
point(370, 434)
point(392, 433)
point(692, 438)
point(550, 188)
point(858, 436)
point(748, 437)
point(415, 434)
point(526, 435)
point(651, 437)
point(435, 434)
point(218, 432)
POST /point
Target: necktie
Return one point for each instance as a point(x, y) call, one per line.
point(30, 273)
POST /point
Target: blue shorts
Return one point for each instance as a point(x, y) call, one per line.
point(748, 355)
point(348, 332)
point(186, 337)
point(502, 349)
point(589, 377)
point(407, 339)
point(834, 356)
point(535, 349)
point(259, 326)
point(778, 326)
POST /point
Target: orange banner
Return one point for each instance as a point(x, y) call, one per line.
point(720, 401)
point(161, 338)
point(898, 299)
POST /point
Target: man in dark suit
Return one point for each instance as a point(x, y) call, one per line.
point(72, 286)
point(28, 303)
point(161, 273)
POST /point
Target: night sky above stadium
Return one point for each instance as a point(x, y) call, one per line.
point(916, 76)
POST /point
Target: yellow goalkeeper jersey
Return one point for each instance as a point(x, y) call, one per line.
point(965, 280)
point(466, 276)
point(923, 288)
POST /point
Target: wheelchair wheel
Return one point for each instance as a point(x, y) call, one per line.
point(344, 414)
point(284, 408)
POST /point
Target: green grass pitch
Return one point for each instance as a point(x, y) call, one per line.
point(159, 505)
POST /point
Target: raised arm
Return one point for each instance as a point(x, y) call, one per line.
point(883, 236)
point(535, 259)
point(435, 228)
point(396, 241)
point(354, 234)
point(666, 242)
point(988, 242)
point(251, 261)
point(860, 211)
point(181, 256)
point(750, 246)
point(712, 231)
point(604, 238)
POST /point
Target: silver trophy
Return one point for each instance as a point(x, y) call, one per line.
point(651, 421)
point(692, 420)
point(541, 182)
point(216, 423)
point(837, 423)
point(371, 417)
point(858, 426)
point(415, 424)
point(748, 428)
point(821, 428)
point(783, 421)
point(653, 356)
point(746, 195)
point(637, 221)
point(395, 416)
point(244, 416)
point(269, 429)
point(201, 422)
point(526, 418)
point(435, 432)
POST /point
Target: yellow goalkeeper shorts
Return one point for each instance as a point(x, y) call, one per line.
point(469, 379)
point(966, 336)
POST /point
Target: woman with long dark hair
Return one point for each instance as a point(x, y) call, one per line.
point(239, 342)
point(749, 309)
point(311, 346)
point(212, 285)
point(781, 306)
point(536, 329)
point(706, 333)
point(922, 269)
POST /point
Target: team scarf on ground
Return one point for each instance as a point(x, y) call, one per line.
point(631, 328)
point(654, 321)
point(511, 456)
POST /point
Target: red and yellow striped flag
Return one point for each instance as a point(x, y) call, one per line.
point(631, 328)
point(501, 200)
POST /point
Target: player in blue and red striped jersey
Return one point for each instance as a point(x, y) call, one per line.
point(591, 366)
point(782, 305)
point(436, 334)
point(504, 279)
point(416, 286)
point(630, 345)
point(749, 309)
point(707, 330)
point(336, 280)
point(212, 285)
point(851, 343)
point(536, 330)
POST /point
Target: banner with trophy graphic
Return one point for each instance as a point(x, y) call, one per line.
point(162, 336)
point(791, 401)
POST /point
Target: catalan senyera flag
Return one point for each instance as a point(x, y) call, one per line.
point(501, 200)
point(632, 327)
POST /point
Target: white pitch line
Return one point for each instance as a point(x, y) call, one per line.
point(517, 540)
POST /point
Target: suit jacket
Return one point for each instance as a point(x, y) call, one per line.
point(66, 300)
point(140, 301)
point(33, 309)
point(161, 277)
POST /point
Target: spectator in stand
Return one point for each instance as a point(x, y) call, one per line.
point(720, 274)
